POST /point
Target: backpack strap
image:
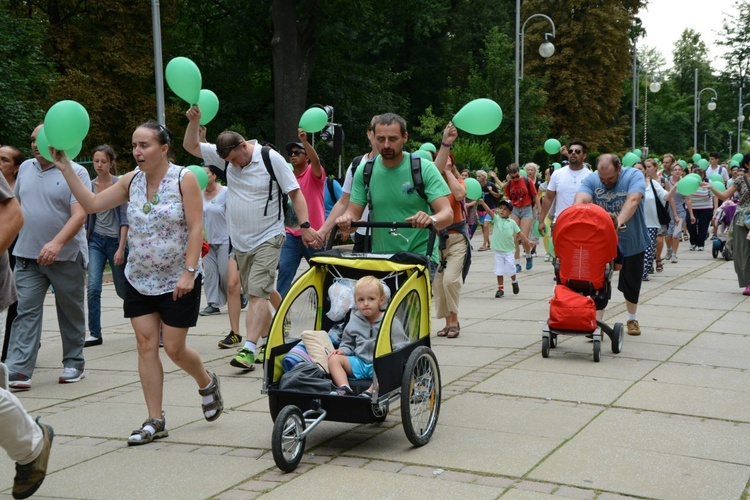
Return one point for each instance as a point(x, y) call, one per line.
point(366, 176)
point(264, 152)
point(332, 189)
point(416, 175)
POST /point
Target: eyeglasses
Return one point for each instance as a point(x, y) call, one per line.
point(297, 152)
point(576, 151)
point(514, 177)
point(225, 152)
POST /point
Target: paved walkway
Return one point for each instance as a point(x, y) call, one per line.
point(669, 417)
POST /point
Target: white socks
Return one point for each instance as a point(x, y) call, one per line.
point(632, 317)
point(251, 346)
point(208, 399)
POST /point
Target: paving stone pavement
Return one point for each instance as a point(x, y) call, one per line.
point(669, 417)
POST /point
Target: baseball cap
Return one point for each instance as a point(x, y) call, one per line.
point(291, 145)
point(505, 203)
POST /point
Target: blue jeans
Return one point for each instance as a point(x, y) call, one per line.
point(102, 250)
point(291, 255)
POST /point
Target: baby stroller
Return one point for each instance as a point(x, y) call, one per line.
point(586, 246)
point(722, 222)
point(405, 368)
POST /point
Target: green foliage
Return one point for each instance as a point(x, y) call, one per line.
point(473, 154)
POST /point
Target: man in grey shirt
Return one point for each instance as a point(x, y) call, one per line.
point(51, 250)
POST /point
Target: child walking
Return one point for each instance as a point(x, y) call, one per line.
point(505, 231)
point(353, 358)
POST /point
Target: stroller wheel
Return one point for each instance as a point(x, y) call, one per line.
point(287, 443)
point(617, 338)
point(545, 347)
point(597, 350)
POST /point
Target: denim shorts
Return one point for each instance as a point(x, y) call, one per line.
point(523, 212)
point(481, 219)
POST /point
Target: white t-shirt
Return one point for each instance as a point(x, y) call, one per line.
point(347, 188)
point(565, 183)
point(247, 196)
point(649, 203)
point(719, 170)
point(215, 217)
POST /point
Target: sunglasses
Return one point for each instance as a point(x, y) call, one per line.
point(225, 152)
point(576, 151)
point(297, 152)
point(514, 177)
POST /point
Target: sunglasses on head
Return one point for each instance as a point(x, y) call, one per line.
point(223, 153)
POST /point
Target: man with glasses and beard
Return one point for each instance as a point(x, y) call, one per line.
point(619, 191)
point(256, 224)
point(564, 182)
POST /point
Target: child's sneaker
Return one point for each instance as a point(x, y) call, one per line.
point(499, 294)
point(518, 268)
point(529, 262)
point(515, 288)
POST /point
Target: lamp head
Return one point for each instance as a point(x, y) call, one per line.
point(655, 87)
point(546, 49)
point(712, 105)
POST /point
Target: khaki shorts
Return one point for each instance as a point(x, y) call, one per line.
point(258, 267)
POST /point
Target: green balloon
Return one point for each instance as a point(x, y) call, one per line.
point(719, 185)
point(535, 227)
point(422, 153)
point(523, 173)
point(66, 124)
point(551, 247)
point(42, 144)
point(703, 163)
point(687, 186)
point(209, 104)
point(184, 78)
point(697, 177)
point(313, 120)
point(734, 163)
point(696, 158)
point(738, 158)
point(479, 117)
point(638, 153)
point(74, 151)
point(428, 146)
point(716, 177)
point(629, 159)
point(473, 189)
point(200, 174)
point(683, 163)
point(552, 146)
point(557, 166)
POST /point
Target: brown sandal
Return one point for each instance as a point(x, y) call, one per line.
point(453, 332)
point(659, 265)
point(443, 332)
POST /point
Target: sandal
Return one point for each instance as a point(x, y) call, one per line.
point(217, 403)
point(453, 332)
point(443, 332)
point(144, 434)
point(483, 248)
point(659, 265)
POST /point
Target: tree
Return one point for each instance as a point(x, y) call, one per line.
point(690, 53)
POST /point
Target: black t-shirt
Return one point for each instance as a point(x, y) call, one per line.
point(488, 198)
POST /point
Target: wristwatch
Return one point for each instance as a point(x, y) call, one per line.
point(190, 269)
point(434, 220)
point(304, 225)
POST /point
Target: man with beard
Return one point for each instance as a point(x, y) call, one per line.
point(393, 195)
point(565, 182)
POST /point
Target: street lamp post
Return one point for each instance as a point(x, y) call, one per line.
point(697, 109)
point(740, 120)
point(546, 50)
point(158, 65)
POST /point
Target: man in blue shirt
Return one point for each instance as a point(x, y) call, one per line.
point(620, 191)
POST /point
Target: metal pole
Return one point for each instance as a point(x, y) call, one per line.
point(695, 115)
point(158, 64)
point(635, 94)
point(739, 121)
point(516, 140)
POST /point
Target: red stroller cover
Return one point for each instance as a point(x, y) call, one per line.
point(585, 241)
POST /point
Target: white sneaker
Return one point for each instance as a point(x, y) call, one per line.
point(71, 375)
point(674, 258)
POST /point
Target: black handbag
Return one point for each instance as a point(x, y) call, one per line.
point(661, 210)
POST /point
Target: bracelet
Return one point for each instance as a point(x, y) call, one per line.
point(446, 145)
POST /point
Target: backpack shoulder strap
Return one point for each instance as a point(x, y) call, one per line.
point(366, 176)
point(416, 175)
point(332, 189)
point(265, 153)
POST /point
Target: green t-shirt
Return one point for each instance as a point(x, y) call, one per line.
point(394, 199)
point(503, 234)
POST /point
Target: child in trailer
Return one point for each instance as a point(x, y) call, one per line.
point(503, 242)
point(353, 358)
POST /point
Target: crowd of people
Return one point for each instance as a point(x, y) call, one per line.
point(165, 238)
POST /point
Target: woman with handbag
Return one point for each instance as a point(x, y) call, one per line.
point(665, 209)
point(739, 235)
point(654, 193)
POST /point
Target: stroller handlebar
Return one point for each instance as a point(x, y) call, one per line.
point(388, 225)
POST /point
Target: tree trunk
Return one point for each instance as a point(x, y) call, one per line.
point(294, 52)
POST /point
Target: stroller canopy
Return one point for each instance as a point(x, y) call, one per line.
point(585, 241)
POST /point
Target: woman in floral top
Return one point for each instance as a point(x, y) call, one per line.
point(740, 232)
point(162, 272)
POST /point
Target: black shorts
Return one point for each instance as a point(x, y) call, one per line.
point(631, 276)
point(180, 313)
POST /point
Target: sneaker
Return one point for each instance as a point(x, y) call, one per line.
point(71, 375)
point(692, 248)
point(344, 390)
point(91, 341)
point(515, 288)
point(674, 258)
point(210, 311)
point(260, 356)
point(746, 291)
point(700, 249)
point(30, 477)
point(231, 340)
point(633, 327)
point(546, 258)
point(646, 278)
point(243, 301)
point(518, 268)
point(244, 359)
point(19, 382)
point(499, 294)
point(529, 263)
